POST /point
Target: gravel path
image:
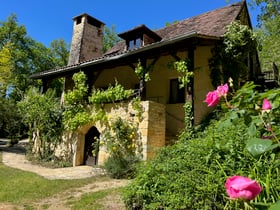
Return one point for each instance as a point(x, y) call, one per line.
point(15, 157)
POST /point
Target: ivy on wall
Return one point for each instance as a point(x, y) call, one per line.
point(120, 136)
point(229, 59)
point(80, 109)
point(76, 110)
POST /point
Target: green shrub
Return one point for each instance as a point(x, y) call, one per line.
point(11, 125)
point(122, 142)
point(191, 174)
point(43, 116)
point(120, 167)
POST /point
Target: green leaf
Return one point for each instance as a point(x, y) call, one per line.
point(275, 206)
point(252, 130)
point(257, 146)
point(225, 124)
point(233, 115)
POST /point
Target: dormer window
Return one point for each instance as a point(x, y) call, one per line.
point(135, 43)
point(139, 37)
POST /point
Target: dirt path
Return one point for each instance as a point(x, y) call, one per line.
point(59, 202)
point(15, 157)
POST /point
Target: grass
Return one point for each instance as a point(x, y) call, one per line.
point(101, 200)
point(22, 188)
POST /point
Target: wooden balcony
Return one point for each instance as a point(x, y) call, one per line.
point(270, 79)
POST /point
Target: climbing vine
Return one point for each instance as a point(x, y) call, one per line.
point(123, 143)
point(80, 109)
point(182, 67)
point(142, 72)
point(136, 105)
point(228, 59)
point(76, 111)
point(111, 95)
point(184, 73)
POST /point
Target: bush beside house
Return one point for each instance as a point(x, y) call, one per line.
point(192, 173)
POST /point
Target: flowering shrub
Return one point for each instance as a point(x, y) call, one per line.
point(122, 141)
point(256, 118)
point(191, 174)
point(262, 138)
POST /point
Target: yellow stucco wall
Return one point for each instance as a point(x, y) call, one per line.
point(124, 75)
point(202, 82)
point(158, 88)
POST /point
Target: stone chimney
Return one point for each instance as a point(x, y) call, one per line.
point(87, 39)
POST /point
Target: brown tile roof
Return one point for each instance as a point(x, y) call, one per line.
point(211, 23)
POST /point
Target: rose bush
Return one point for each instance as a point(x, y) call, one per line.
point(262, 137)
point(191, 174)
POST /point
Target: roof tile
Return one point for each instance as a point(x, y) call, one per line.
point(211, 23)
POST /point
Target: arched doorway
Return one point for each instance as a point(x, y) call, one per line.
point(91, 147)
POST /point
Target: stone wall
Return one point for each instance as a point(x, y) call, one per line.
point(151, 131)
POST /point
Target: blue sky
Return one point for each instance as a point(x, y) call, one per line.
point(46, 20)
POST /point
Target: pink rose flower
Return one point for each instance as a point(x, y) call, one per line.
point(266, 105)
point(239, 187)
point(222, 90)
point(212, 98)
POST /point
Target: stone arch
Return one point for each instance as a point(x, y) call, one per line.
point(91, 146)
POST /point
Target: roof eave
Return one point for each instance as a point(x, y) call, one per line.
point(122, 55)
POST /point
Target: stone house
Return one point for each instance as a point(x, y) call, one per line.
point(162, 99)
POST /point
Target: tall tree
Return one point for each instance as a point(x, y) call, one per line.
point(268, 31)
point(60, 52)
point(269, 9)
point(5, 68)
point(268, 35)
point(12, 37)
point(110, 38)
point(27, 56)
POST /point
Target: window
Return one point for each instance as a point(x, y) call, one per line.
point(135, 43)
point(177, 95)
point(138, 43)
